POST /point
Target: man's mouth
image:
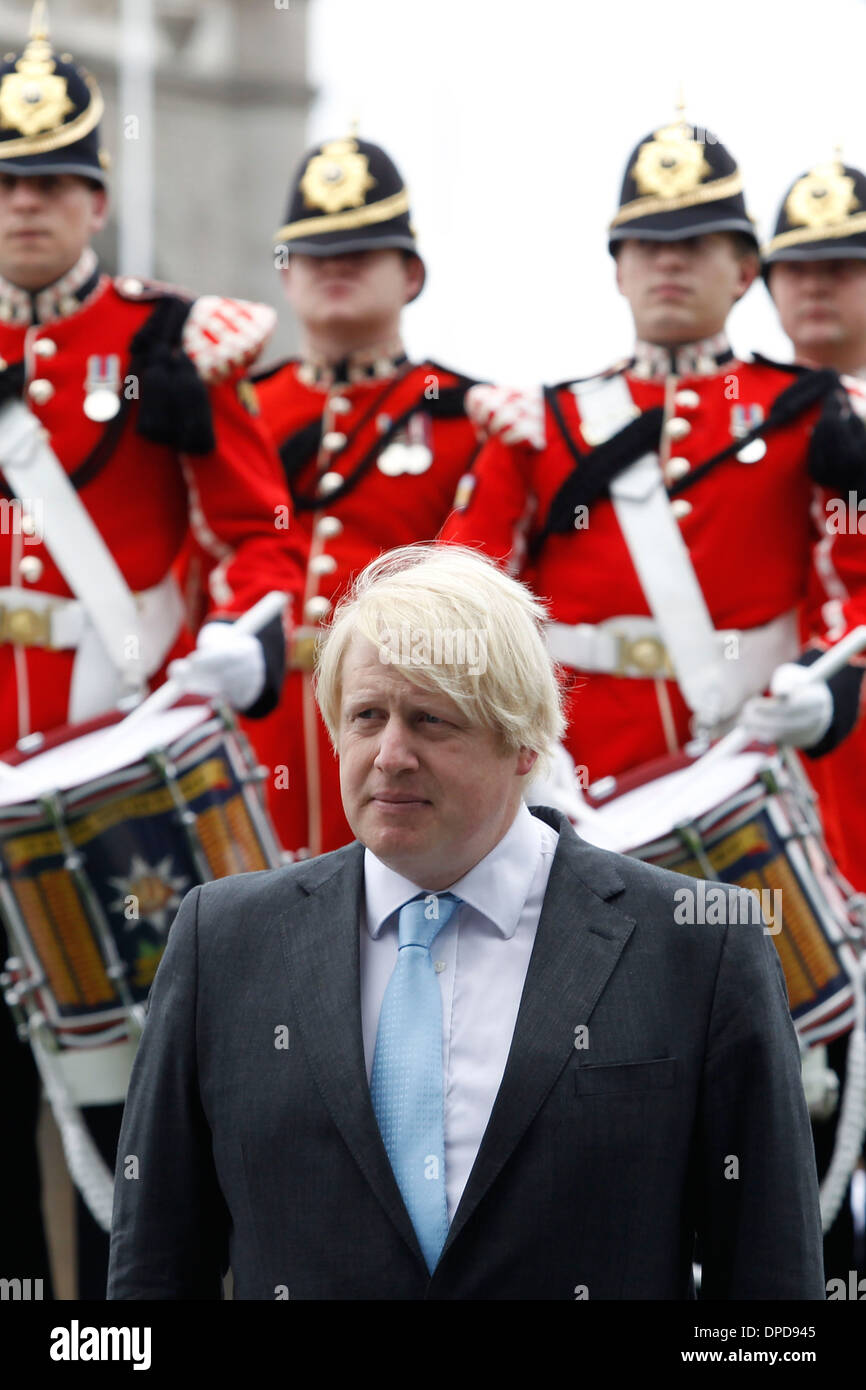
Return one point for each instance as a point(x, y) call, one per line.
point(399, 799)
point(671, 290)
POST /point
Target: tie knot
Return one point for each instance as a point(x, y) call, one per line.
point(422, 918)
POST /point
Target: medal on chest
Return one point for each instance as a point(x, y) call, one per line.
point(411, 449)
point(744, 419)
point(102, 387)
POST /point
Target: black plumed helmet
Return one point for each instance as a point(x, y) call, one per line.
point(822, 217)
point(680, 182)
point(49, 112)
point(347, 195)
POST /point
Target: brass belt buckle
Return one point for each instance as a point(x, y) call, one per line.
point(25, 627)
point(648, 654)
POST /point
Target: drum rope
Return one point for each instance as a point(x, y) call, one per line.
point(852, 1115)
point(87, 1167)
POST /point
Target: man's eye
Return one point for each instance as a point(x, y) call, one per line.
point(433, 717)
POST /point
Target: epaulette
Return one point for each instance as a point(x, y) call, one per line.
point(136, 287)
point(225, 336)
point(515, 415)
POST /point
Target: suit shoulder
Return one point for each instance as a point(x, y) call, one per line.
point(664, 897)
point(265, 885)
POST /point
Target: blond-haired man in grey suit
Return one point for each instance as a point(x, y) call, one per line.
point(469, 1056)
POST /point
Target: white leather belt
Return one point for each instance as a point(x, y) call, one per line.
point(35, 619)
point(633, 647)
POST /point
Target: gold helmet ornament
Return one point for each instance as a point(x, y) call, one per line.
point(49, 111)
point(680, 182)
point(822, 217)
point(347, 195)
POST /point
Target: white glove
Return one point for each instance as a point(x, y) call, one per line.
point(226, 663)
point(795, 713)
point(515, 415)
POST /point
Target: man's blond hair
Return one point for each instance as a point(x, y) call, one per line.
point(453, 621)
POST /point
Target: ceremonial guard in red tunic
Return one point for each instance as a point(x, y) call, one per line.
point(815, 269)
point(372, 444)
point(671, 509)
point(124, 422)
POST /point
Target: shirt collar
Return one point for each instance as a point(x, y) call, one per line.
point(56, 301)
point(497, 887)
point(702, 358)
point(371, 364)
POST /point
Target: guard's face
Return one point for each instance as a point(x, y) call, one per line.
point(681, 291)
point(821, 304)
point(45, 223)
point(360, 293)
point(426, 792)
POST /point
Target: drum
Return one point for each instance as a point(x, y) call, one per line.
point(749, 819)
point(102, 832)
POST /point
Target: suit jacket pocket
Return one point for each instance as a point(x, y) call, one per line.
point(618, 1078)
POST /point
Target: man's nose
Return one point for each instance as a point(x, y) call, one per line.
point(670, 254)
point(396, 752)
point(816, 279)
point(24, 194)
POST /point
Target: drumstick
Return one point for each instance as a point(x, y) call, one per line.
point(827, 665)
point(253, 620)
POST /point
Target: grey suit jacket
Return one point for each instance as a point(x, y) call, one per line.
point(677, 1110)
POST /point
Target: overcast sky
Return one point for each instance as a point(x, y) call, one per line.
point(511, 123)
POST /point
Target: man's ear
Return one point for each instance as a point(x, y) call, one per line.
point(526, 760)
point(99, 209)
point(618, 273)
point(414, 276)
point(750, 269)
point(288, 281)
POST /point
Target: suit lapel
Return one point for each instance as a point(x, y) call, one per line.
point(321, 948)
point(579, 941)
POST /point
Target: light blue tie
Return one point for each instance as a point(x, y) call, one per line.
point(406, 1082)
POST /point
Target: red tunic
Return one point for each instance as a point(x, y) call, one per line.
point(756, 533)
point(143, 496)
point(405, 441)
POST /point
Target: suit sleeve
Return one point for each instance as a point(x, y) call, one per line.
point(759, 1226)
point(169, 1231)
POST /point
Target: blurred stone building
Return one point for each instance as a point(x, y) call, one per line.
point(230, 100)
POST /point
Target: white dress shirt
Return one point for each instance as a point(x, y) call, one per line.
point(481, 957)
